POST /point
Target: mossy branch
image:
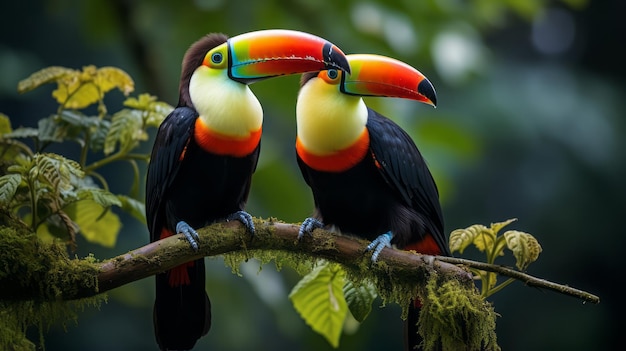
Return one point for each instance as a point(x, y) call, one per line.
point(231, 237)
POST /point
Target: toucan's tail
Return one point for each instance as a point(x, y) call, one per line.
point(182, 310)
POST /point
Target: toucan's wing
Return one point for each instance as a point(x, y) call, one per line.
point(168, 150)
point(406, 172)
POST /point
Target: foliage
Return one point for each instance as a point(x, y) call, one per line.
point(449, 315)
point(59, 197)
point(452, 314)
point(525, 248)
point(319, 299)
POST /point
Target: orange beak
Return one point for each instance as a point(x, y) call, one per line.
point(375, 75)
point(269, 53)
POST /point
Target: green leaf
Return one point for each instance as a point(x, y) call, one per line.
point(98, 134)
point(360, 299)
point(319, 300)
point(5, 124)
point(108, 78)
point(44, 76)
point(492, 280)
point(100, 196)
point(79, 89)
point(56, 226)
point(460, 239)
point(57, 171)
point(50, 130)
point(8, 186)
point(126, 129)
point(143, 102)
point(76, 119)
point(156, 110)
point(134, 207)
point(496, 227)
point(485, 239)
point(22, 133)
point(525, 247)
point(76, 94)
point(97, 224)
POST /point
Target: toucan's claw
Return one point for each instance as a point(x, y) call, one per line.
point(383, 241)
point(308, 226)
point(190, 234)
point(245, 218)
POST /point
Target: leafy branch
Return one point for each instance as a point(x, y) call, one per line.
point(58, 197)
point(524, 246)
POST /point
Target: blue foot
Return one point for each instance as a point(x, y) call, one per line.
point(383, 241)
point(245, 218)
point(308, 226)
point(190, 234)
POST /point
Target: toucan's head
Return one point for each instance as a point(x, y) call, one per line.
point(330, 113)
point(376, 75)
point(254, 56)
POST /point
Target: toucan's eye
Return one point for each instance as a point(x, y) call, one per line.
point(217, 58)
point(331, 76)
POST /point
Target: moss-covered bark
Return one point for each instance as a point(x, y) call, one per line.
point(41, 285)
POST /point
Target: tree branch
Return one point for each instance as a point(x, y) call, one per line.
point(523, 277)
point(231, 237)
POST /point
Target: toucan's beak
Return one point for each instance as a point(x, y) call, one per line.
point(269, 53)
point(375, 75)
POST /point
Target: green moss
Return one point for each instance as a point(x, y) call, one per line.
point(456, 317)
point(46, 271)
point(301, 263)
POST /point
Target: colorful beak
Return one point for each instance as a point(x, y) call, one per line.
point(375, 75)
point(269, 53)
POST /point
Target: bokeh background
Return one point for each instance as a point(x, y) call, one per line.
point(530, 125)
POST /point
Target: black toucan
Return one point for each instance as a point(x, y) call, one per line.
point(205, 152)
point(367, 176)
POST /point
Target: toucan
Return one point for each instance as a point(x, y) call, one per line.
point(366, 174)
point(205, 152)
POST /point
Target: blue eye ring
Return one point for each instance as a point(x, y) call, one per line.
point(217, 57)
point(332, 73)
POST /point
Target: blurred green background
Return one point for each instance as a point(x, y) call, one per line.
point(529, 125)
